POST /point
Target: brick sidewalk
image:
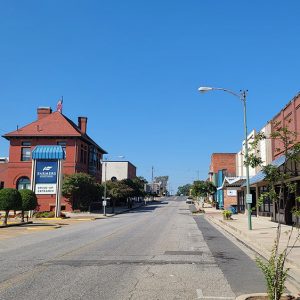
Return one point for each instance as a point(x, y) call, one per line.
point(260, 238)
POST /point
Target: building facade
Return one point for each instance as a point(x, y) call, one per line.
point(52, 128)
point(3, 168)
point(288, 117)
point(118, 170)
point(222, 165)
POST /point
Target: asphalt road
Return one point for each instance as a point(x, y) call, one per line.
point(156, 252)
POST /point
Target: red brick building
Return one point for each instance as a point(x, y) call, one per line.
point(288, 117)
point(52, 128)
point(3, 168)
point(223, 161)
point(221, 165)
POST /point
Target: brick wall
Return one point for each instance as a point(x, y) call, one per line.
point(288, 117)
point(220, 161)
point(229, 200)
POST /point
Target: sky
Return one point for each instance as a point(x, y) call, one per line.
point(133, 68)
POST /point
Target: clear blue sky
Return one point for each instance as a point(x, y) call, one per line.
point(133, 68)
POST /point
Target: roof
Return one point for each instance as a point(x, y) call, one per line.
point(48, 152)
point(260, 176)
point(232, 182)
point(54, 124)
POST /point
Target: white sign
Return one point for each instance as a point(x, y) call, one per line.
point(45, 188)
point(249, 198)
point(231, 193)
point(104, 203)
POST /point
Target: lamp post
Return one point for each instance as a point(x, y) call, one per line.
point(242, 96)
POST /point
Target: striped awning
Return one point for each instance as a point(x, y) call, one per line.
point(48, 152)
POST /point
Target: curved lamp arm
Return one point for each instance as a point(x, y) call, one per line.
point(241, 96)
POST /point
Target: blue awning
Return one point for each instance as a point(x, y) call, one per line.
point(260, 176)
point(48, 152)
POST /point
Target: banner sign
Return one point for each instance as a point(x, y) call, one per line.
point(46, 176)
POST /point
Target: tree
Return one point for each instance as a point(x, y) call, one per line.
point(202, 188)
point(118, 191)
point(81, 190)
point(10, 199)
point(280, 187)
point(29, 201)
point(184, 190)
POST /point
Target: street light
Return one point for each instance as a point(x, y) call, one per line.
point(242, 96)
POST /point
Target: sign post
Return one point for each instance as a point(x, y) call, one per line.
point(47, 172)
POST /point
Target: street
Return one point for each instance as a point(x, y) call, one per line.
point(159, 251)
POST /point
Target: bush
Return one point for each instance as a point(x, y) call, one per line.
point(29, 201)
point(10, 199)
point(227, 214)
point(44, 214)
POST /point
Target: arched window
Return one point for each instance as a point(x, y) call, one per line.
point(23, 183)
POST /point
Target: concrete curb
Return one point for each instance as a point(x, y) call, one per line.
point(16, 224)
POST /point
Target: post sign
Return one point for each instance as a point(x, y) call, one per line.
point(46, 177)
point(104, 202)
point(249, 198)
point(231, 193)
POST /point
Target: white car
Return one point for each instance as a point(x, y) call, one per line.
point(189, 201)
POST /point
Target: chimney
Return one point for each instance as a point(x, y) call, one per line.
point(43, 112)
point(82, 123)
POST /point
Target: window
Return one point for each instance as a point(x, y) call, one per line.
point(26, 151)
point(64, 146)
point(1, 185)
point(23, 183)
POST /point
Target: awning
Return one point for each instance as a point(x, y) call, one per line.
point(48, 152)
point(232, 182)
point(260, 176)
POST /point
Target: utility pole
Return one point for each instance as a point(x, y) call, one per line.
point(152, 180)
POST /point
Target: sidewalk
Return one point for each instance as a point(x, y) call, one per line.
point(260, 239)
point(100, 215)
point(43, 224)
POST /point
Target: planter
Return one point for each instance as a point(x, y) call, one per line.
point(263, 296)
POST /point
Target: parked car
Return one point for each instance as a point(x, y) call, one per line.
point(189, 200)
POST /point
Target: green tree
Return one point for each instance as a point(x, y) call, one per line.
point(202, 188)
point(29, 201)
point(138, 186)
point(81, 190)
point(10, 199)
point(118, 191)
point(184, 190)
point(280, 189)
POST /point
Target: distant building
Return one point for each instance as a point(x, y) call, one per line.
point(160, 185)
point(51, 128)
point(3, 168)
point(222, 165)
point(118, 170)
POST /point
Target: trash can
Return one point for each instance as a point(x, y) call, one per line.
point(233, 209)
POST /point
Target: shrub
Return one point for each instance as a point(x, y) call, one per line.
point(10, 199)
point(227, 214)
point(29, 201)
point(44, 214)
